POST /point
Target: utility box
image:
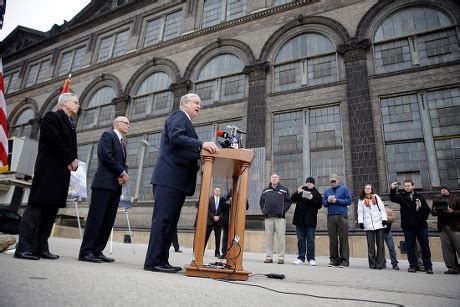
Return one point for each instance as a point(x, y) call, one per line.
point(23, 156)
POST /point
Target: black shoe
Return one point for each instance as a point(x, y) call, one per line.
point(160, 268)
point(26, 255)
point(90, 258)
point(177, 251)
point(48, 255)
point(178, 268)
point(105, 259)
point(222, 256)
point(217, 255)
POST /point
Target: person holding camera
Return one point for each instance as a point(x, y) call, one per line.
point(336, 199)
point(414, 213)
point(372, 218)
point(308, 202)
point(447, 209)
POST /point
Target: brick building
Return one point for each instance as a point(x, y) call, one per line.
point(369, 90)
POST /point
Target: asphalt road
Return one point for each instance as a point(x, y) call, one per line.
point(68, 282)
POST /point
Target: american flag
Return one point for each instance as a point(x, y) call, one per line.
point(3, 126)
point(2, 12)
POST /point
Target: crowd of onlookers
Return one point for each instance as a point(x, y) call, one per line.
point(375, 218)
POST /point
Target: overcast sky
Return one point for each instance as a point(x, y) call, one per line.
point(39, 14)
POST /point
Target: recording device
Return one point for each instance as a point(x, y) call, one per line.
point(231, 138)
point(440, 205)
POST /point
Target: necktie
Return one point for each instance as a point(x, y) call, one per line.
point(217, 203)
point(123, 149)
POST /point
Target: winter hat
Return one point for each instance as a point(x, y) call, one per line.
point(310, 179)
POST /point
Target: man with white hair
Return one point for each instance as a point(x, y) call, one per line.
point(57, 157)
point(111, 174)
point(173, 179)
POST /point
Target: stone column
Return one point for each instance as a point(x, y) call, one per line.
point(180, 88)
point(362, 138)
point(121, 104)
point(256, 117)
point(35, 123)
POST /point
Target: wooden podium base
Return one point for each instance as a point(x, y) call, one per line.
point(216, 273)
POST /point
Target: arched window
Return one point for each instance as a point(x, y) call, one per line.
point(153, 96)
point(99, 111)
point(305, 60)
point(221, 80)
point(21, 126)
point(416, 36)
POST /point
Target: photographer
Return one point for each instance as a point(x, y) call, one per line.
point(308, 202)
point(447, 209)
point(414, 213)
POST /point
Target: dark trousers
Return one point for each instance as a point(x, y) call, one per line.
point(217, 233)
point(175, 241)
point(224, 240)
point(376, 259)
point(337, 226)
point(36, 225)
point(166, 212)
point(306, 242)
point(410, 235)
point(101, 217)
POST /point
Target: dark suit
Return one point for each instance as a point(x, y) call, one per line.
point(173, 179)
point(57, 148)
point(106, 193)
point(211, 224)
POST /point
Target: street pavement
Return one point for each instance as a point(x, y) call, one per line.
point(68, 282)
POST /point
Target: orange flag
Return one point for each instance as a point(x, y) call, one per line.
point(66, 87)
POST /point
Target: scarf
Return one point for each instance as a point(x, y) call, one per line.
point(367, 200)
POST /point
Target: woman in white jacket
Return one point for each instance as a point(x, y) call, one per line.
point(372, 217)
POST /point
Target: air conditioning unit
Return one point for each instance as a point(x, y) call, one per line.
point(23, 156)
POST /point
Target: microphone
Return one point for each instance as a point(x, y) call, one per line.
point(235, 129)
point(222, 134)
point(275, 276)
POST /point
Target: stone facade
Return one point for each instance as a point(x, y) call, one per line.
point(320, 87)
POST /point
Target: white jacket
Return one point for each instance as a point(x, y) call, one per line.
point(373, 215)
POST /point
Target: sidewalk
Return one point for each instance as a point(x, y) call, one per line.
point(68, 282)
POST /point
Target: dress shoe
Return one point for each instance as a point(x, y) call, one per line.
point(26, 255)
point(217, 255)
point(90, 258)
point(429, 271)
point(48, 255)
point(105, 259)
point(178, 268)
point(160, 268)
point(452, 272)
point(222, 256)
point(177, 251)
point(412, 270)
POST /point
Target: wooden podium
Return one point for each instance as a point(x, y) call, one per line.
point(228, 163)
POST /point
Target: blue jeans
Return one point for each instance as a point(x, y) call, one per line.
point(306, 242)
point(421, 235)
point(391, 247)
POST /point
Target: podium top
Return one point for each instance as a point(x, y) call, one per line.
point(228, 161)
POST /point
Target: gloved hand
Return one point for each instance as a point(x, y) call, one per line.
point(361, 225)
point(384, 223)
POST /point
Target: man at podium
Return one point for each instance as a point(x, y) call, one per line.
point(173, 179)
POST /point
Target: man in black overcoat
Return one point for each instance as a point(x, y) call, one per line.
point(111, 174)
point(173, 179)
point(57, 157)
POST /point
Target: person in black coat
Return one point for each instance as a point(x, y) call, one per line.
point(111, 174)
point(173, 179)
point(414, 213)
point(57, 157)
point(308, 202)
point(216, 209)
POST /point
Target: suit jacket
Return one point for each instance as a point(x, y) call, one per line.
point(177, 163)
point(212, 211)
point(111, 162)
point(57, 148)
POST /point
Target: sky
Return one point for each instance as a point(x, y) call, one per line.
point(39, 14)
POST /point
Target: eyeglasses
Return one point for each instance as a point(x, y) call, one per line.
point(120, 121)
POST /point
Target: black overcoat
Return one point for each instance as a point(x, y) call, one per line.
point(57, 148)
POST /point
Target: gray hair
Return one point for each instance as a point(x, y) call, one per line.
point(187, 98)
point(63, 98)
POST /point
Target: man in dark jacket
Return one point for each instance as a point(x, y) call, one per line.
point(215, 218)
point(174, 178)
point(449, 227)
point(274, 202)
point(308, 202)
point(414, 213)
point(111, 174)
point(57, 157)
